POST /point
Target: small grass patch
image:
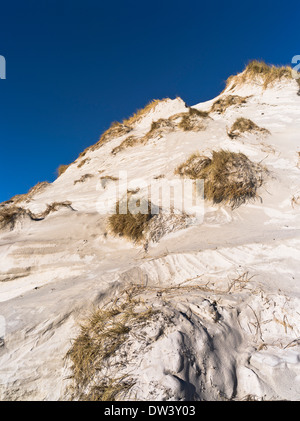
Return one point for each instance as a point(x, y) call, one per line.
point(129, 225)
point(139, 114)
point(114, 131)
point(105, 179)
point(229, 177)
point(9, 215)
point(129, 142)
point(193, 120)
point(243, 125)
point(38, 188)
point(223, 103)
point(61, 169)
point(99, 340)
point(193, 166)
point(156, 129)
point(83, 178)
point(109, 177)
point(83, 162)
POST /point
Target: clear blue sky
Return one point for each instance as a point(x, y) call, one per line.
point(75, 66)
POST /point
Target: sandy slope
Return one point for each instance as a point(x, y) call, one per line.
point(230, 337)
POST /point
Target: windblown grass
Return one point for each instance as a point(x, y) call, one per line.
point(109, 177)
point(129, 142)
point(83, 162)
point(9, 215)
point(193, 120)
point(222, 104)
point(139, 114)
point(83, 178)
point(259, 70)
point(157, 129)
point(129, 225)
point(114, 131)
point(105, 179)
point(99, 340)
point(18, 198)
point(61, 169)
point(243, 125)
point(229, 177)
point(193, 166)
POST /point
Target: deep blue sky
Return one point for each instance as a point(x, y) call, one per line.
point(75, 66)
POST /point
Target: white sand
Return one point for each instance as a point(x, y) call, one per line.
point(226, 341)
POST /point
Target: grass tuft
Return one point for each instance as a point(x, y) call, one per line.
point(61, 169)
point(11, 214)
point(100, 338)
point(38, 188)
point(256, 69)
point(129, 225)
point(229, 177)
point(193, 120)
point(243, 125)
point(221, 105)
point(83, 178)
point(156, 129)
point(129, 142)
point(139, 114)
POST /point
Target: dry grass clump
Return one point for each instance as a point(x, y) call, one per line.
point(9, 215)
point(38, 188)
point(109, 177)
point(221, 105)
point(83, 162)
point(243, 125)
point(53, 207)
point(162, 123)
point(139, 114)
point(229, 177)
point(129, 225)
point(61, 169)
point(129, 142)
point(101, 337)
point(115, 130)
point(193, 166)
point(295, 200)
point(105, 179)
point(193, 120)
point(83, 178)
point(268, 74)
point(157, 129)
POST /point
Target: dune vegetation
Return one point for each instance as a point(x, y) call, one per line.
point(268, 74)
point(9, 215)
point(244, 125)
point(223, 103)
point(229, 177)
point(130, 225)
point(101, 337)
